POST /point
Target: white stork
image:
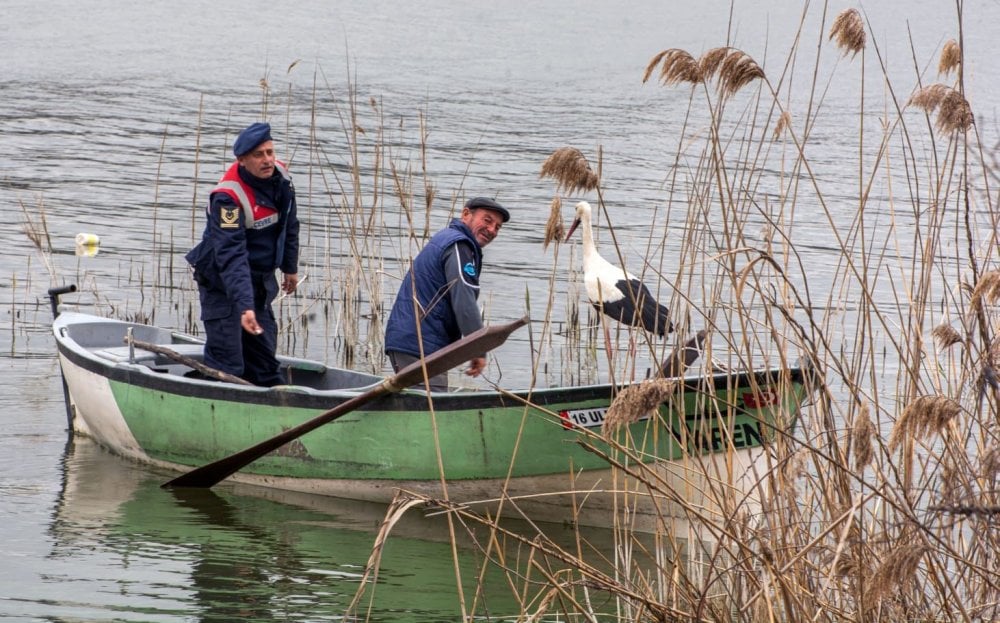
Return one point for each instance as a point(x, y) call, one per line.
point(608, 286)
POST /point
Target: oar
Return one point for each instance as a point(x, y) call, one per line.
point(473, 345)
point(189, 362)
point(683, 356)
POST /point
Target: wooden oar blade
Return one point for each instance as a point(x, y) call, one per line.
point(217, 471)
point(683, 356)
point(473, 345)
point(455, 354)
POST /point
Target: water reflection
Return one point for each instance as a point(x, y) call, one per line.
point(87, 250)
point(247, 553)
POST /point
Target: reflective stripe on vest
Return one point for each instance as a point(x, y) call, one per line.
point(238, 191)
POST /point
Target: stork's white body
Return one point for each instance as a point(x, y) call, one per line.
point(608, 286)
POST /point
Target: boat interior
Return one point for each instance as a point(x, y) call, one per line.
point(111, 341)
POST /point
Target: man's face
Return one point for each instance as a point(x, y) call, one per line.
point(259, 161)
point(484, 223)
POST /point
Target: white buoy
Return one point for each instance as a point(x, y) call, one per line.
point(87, 240)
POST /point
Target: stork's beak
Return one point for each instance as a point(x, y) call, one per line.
point(572, 228)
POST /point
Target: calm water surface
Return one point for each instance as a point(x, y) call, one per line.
point(110, 111)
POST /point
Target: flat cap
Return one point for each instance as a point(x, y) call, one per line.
point(489, 204)
point(253, 135)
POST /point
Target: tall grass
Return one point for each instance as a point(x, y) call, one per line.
point(883, 504)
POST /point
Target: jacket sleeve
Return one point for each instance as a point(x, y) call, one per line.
point(290, 257)
point(460, 271)
point(229, 240)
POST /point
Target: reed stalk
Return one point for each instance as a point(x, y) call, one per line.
point(878, 506)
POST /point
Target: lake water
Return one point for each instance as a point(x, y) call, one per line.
point(115, 118)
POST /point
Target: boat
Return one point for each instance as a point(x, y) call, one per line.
point(539, 452)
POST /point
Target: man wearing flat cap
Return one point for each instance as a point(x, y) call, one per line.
point(444, 284)
point(252, 230)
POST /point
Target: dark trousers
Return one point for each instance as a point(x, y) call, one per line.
point(231, 349)
point(399, 361)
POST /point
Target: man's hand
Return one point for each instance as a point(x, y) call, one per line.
point(289, 283)
point(249, 323)
point(476, 366)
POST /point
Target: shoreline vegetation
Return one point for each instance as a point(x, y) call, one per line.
point(883, 504)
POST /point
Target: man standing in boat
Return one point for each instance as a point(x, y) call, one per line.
point(444, 282)
point(252, 230)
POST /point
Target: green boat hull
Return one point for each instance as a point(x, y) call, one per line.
point(470, 446)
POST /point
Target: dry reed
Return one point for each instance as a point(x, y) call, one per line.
point(924, 416)
point(676, 66)
point(711, 61)
point(849, 31)
point(951, 57)
point(802, 535)
point(784, 123)
point(570, 169)
point(734, 68)
point(554, 229)
point(954, 112)
point(636, 402)
point(946, 335)
point(738, 70)
point(987, 290)
point(861, 439)
point(990, 464)
point(897, 570)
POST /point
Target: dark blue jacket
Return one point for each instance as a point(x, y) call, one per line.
point(241, 239)
point(439, 325)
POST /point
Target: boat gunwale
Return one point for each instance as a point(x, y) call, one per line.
point(297, 396)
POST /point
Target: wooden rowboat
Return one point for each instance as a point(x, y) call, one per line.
point(542, 450)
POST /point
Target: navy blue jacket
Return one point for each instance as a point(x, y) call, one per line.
point(439, 325)
point(233, 247)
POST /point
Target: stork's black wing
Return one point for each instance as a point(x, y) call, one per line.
point(650, 315)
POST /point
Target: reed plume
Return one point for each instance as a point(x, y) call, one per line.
point(861, 439)
point(676, 66)
point(554, 230)
point(651, 65)
point(849, 31)
point(923, 416)
point(946, 335)
point(737, 70)
point(784, 122)
point(430, 192)
point(846, 565)
point(637, 401)
point(987, 290)
point(710, 61)
point(929, 97)
point(954, 112)
point(898, 569)
point(569, 167)
point(951, 57)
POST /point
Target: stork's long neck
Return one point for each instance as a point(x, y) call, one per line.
point(589, 248)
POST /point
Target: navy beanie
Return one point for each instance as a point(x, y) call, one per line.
point(253, 135)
